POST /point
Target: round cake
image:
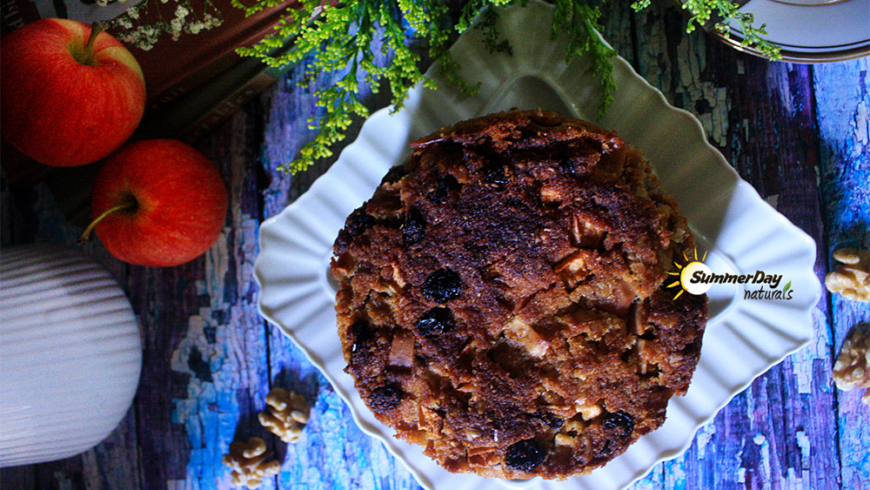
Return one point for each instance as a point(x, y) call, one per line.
point(502, 297)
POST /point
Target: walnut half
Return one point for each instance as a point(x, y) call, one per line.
point(248, 461)
point(852, 369)
point(852, 277)
point(288, 413)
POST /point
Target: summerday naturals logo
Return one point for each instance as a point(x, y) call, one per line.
point(696, 278)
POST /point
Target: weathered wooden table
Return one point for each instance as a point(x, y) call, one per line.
point(799, 134)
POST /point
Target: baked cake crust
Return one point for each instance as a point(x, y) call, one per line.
point(502, 297)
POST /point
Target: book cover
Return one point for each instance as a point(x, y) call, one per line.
point(174, 68)
point(197, 113)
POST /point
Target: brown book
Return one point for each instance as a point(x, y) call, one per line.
point(231, 103)
point(174, 68)
point(171, 68)
point(195, 114)
point(192, 84)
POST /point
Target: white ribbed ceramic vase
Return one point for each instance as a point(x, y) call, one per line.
point(70, 354)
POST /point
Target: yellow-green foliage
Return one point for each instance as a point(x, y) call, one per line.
point(330, 38)
point(703, 10)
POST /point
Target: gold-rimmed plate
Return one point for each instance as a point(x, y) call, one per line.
point(809, 31)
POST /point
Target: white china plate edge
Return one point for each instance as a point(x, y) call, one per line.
point(817, 33)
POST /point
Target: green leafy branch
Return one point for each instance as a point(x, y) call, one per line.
point(580, 21)
point(723, 10)
point(341, 38)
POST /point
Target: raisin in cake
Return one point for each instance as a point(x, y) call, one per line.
point(502, 297)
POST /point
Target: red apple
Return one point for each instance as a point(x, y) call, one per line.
point(158, 203)
point(68, 97)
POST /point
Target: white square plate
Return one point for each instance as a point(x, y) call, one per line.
point(740, 232)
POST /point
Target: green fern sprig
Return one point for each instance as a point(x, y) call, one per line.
point(580, 21)
point(703, 10)
point(340, 38)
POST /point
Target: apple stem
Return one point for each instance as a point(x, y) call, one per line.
point(127, 204)
point(85, 57)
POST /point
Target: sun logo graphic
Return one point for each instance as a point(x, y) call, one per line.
point(687, 272)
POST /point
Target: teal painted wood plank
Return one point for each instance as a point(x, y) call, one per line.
point(844, 125)
point(333, 452)
point(619, 23)
point(775, 146)
point(206, 372)
point(166, 299)
point(225, 350)
point(780, 432)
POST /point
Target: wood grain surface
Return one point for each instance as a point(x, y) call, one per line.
point(800, 134)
